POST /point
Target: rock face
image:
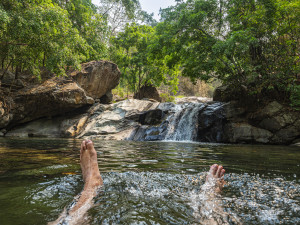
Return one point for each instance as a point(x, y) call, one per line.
point(56, 96)
point(273, 124)
point(53, 97)
point(211, 122)
point(143, 120)
point(97, 78)
point(148, 92)
point(116, 121)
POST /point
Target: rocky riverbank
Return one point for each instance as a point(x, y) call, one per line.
point(73, 107)
point(54, 96)
point(144, 120)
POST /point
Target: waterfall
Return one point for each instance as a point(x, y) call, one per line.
point(190, 121)
point(183, 123)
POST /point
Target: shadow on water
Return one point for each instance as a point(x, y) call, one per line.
point(148, 182)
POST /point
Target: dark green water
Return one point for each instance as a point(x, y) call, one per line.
point(148, 182)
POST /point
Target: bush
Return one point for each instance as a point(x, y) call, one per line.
point(166, 97)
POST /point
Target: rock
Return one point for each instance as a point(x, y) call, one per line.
point(62, 126)
point(271, 109)
point(5, 120)
point(107, 98)
point(90, 100)
point(147, 133)
point(117, 120)
point(38, 128)
point(2, 132)
point(239, 93)
point(211, 120)
point(296, 143)
point(151, 117)
point(222, 94)
point(245, 133)
point(286, 135)
point(270, 124)
point(19, 83)
point(5, 117)
point(55, 96)
point(148, 91)
point(192, 99)
point(234, 111)
point(8, 77)
point(97, 77)
point(71, 127)
point(2, 110)
point(279, 121)
point(166, 106)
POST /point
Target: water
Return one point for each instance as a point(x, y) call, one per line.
point(183, 123)
point(150, 182)
point(190, 121)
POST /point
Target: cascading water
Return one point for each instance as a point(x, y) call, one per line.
point(183, 123)
point(190, 121)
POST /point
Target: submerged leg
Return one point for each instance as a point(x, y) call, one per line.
point(92, 180)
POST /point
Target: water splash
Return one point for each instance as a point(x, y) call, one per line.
point(160, 198)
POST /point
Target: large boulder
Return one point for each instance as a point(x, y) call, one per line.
point(97, 77)
point(246, 133)
point(7, 77)
point(222, 94)
point(227, 93)
point(38, 128)
point(61, 126)
point(211, 121)
point(148, 92)
point(117, 121)
point(55, 96)
point(107, 98)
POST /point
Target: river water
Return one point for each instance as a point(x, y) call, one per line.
point(149, 182)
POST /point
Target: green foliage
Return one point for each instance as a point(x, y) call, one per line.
point(254, 44)
point(295, 96)
point(166, 97)
point(53, 34)
point(134, 52)
point(246, 44)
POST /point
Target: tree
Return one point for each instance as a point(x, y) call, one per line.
point(53, 34)
point(134, 52)
point(244, 43)
point(41, 35)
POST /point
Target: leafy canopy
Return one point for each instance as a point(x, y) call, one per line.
point(134, 52)
point(244, 43)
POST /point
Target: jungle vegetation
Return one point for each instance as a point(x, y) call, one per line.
point(249, 45)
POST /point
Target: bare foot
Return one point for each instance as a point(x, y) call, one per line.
point(89, 165)
point(216, 173)
point(92, 180)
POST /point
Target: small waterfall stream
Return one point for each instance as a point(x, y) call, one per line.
point(183, 123)
point(190, 121)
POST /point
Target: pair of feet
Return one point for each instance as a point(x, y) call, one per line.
point(92, 177)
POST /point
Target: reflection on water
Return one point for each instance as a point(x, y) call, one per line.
point(148, 182)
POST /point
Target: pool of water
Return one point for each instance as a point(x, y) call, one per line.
point(149, 182)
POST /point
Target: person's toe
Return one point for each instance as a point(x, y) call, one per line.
point(83, 146)
point(213, 169)
point(89, 144)
point(218, 174)
point(222, 173)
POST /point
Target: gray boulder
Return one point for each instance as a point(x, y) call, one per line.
point(97, 77)
point(245, 133)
